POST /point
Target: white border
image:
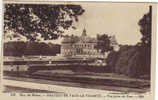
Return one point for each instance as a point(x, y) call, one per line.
point(156, 90)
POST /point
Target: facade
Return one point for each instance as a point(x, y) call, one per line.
point(79, 46)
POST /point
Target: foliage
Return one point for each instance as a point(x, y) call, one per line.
point(47, 20)
point(134, 61)
point(145, 28)
point(30, 48)
point(104, 43)
point(130, 61)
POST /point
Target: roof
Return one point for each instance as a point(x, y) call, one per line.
point(82, 39)
point(70, 39)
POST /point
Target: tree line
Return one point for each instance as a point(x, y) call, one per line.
point(134, 61)
point(30, 48)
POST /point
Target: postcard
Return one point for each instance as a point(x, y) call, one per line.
point(78, 50)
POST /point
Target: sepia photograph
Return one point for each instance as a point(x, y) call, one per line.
point(78, 47)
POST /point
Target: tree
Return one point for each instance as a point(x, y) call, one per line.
point(145, 45)
point(134, 61)
point(30, 20)
point(104, 43)
point(21, 48)
point(145, 27)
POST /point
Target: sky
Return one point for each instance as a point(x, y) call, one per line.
point(119, 19)
point(116, 19)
